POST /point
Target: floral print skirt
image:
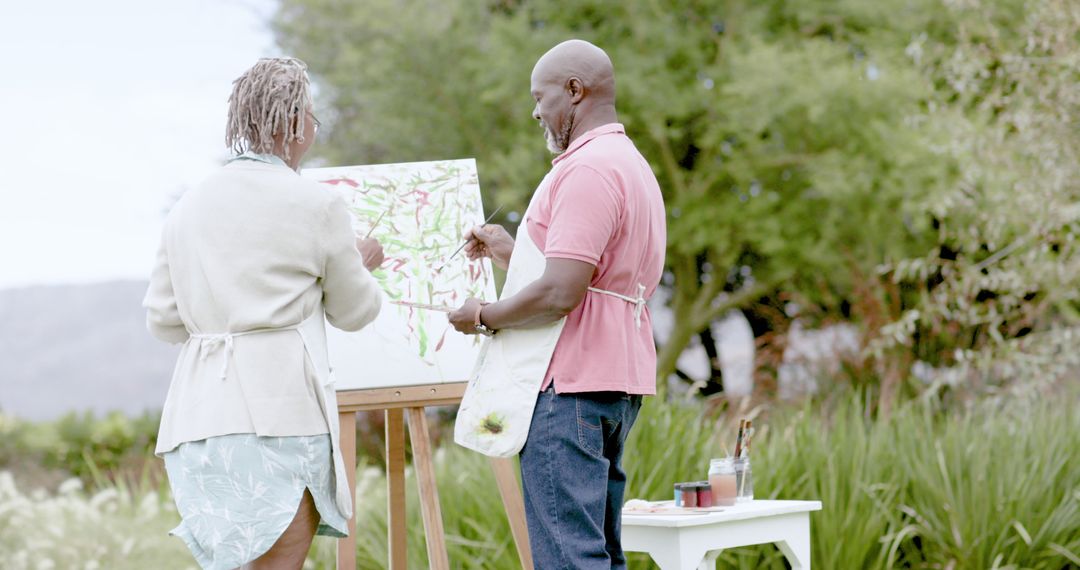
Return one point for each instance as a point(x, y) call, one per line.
point(237, 493)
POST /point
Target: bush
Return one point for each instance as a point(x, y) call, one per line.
point(96, 450)
point(116, 527)
point(984, 487)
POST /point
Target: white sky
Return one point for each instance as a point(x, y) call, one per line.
point(108, 108)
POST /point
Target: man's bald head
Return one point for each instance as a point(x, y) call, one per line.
point(581, 60)
point(574, 88)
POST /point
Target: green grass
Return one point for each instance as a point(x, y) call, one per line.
point(992, 486)
point(115, 527)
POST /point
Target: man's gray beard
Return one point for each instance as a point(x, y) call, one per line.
point(558, 144)
point(552, 142)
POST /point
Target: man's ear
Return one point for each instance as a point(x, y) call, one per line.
point(576, 88)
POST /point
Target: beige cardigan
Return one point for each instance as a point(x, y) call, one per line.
point(254, 247)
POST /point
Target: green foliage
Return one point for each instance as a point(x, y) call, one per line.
point(997, 292)
point(116, 527)
point(780, 131)
point(982, 488)
point(990, 486)
point(81, 444)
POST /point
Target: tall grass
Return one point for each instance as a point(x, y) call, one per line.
point(477, 531)
point(117, 527)
point(996, 486)
point(993, 486)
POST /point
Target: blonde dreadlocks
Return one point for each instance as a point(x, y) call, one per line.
point(269, 99)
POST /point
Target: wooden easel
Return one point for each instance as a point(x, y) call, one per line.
point(412, 400)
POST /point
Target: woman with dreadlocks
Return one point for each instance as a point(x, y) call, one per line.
point(250, 262)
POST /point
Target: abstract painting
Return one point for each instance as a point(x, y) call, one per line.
point(418, 211)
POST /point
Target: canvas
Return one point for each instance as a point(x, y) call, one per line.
point(419, 211)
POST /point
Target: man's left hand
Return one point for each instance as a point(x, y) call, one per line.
point(464, 319)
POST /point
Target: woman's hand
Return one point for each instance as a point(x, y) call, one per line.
point(372, 252)
point(490, 241)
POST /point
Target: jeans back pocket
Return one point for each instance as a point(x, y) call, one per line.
point(590, 430)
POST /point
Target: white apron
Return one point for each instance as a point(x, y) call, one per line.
point(312, 332)
point(497, 408)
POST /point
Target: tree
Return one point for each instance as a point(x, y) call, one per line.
point(782, 133)
point(997, 292)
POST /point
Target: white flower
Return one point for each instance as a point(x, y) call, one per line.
point(70, 486)
point(103, 497)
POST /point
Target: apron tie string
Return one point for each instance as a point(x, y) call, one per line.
point(209, 342)
point(638, 302)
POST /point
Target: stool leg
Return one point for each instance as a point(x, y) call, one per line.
point(796, 546)
point(677, 559)
point(709, 563)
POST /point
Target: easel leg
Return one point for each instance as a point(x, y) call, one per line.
point(515, 507)
point(346, 547)
point(429, 493)
point(395, 483)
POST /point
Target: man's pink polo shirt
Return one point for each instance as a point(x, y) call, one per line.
point(601, 204)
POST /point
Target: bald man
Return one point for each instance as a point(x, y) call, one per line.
point(587, 256)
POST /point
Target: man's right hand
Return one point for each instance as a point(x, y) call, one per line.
point(491, 241)
point(372, 252)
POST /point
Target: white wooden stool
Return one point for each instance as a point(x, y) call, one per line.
point(694, 541)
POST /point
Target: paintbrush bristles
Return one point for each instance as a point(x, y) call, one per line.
point(376, 224)
point(749, 437)
point(462, 246)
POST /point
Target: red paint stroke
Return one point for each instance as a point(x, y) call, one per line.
point(442, 339)
point(423, 201)
point(398, 263)
point(342, 180)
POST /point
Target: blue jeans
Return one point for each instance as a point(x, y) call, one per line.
point(573, 479)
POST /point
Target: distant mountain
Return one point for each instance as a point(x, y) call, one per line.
point(79, 347)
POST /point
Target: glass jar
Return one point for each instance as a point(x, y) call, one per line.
point(744, 480)
point(722, 480)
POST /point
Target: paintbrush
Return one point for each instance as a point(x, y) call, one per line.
point(462, 246)
point(425, 306)
point(739, 438)
point(376, 224)
point(749, 437)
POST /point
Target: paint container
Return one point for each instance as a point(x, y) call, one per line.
point(704, 495)
point(689, 495)
point(722, 479)
point(678, 494)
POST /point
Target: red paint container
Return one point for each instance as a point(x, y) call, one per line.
point(690, 495)
point(704, 495)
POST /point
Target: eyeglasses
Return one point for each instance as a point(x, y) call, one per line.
point(314, 119)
